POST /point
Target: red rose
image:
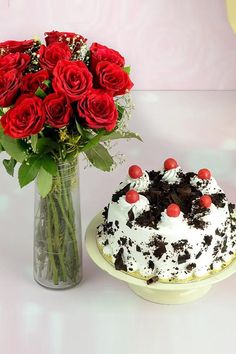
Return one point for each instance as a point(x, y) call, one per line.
point(113, 78)
point(72, 78)
point(99, 110)
point(100, 52)
point(15, 46)
point(50, 55)
point(32, 81)
point(9, 86)
point(58, 110)
point(67, 37)
point(17, 61)
point(26, 118)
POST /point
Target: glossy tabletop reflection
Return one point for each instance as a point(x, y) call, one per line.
point(102, 315)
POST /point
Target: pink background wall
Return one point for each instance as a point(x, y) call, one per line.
point(171, 44)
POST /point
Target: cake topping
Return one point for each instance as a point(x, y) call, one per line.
point(170, 164)
point(173, 210)
point(135, 171)
point(132, 196)
point(204, 173)
point(205, 201)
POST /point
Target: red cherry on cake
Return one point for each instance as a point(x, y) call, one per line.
point(135, 171)
point(204, 173)
point(132, 196)
point(173, 210)
point(170, 163)
point(205, 201)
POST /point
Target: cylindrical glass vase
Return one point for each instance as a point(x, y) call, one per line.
point(57, 231)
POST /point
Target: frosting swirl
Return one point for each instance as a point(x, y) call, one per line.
point(206, 186)
point(139, 184)
point(172, 176)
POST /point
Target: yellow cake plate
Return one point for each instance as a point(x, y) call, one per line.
point(162, 293)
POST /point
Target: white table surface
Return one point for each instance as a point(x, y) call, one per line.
point(101, 315)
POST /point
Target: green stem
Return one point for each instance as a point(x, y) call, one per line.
point(50, 248)
point(57, 230)
point(71, 229)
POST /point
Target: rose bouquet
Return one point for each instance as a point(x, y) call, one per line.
point(57, 100)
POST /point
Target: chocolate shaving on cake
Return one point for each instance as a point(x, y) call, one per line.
point(231, 208)
point(190, 267)
point(116, 196)
point(150, 264)
point(199, 254)
point(218, 199)
point(180, 245)
point(219, 233)
point(138, 249)
point(160, 194)
point(159, 247)
point(216, 249)
point(105, 243)
point(207, 240)
point(105, 213)
point(119, 263)
point(224, 246)
point(152, 280)
point(123, 240)
point(131, 215)
point(131, 218)
point(182, 258)
point(147, 253)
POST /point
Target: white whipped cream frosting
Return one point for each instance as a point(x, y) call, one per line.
point(206, 186)
point(138, 253)
point(171, 176)
point(122, 207)
point(139, 184)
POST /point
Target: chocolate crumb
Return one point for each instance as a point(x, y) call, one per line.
point(152, 280)
point(190, 267)
point(207, 240)
point(199, 254)
point(123, 240)
point(119, 263)
point(138, 249)
point(182, 258)
point(150, 264)
point(179, 246)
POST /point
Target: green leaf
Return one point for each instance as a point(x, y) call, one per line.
point(100, 157)
point(1, 112)
point(71, 155)
point(40, 93)
point(127, 69)
point(79, 128)
point(9, 165)
point(34, 140)
point(13, 147)
point(48, 83)
point(49, 164)
point(120, 111)
point(1, 148)
point(44, 182)
point(120, 135)
point(94, 141)
point(45, 145)
point(29, 170)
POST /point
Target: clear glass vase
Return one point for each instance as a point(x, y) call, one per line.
point(57, 231)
